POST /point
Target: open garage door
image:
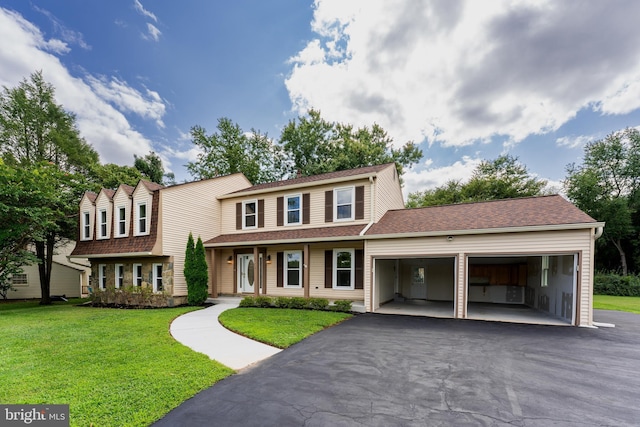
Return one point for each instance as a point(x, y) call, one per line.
point(416, 286)
point(525, 289)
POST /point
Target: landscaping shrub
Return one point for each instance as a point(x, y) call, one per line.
point(317, 303)
point(617, 285)
point(129, 296)
point(262, 301)
point(281, 302)
point(297, 303)
point(248, 302)
point(342, 305)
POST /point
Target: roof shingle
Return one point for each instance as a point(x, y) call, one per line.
point(301, 234)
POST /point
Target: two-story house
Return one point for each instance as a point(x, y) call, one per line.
point(347, 235)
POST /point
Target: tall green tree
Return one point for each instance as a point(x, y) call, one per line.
point(35, 129)
point(150, 166)
point(111, 176)
point(231, 150)
point(189, 269)
point(316, 146)
point(502, 178)
point(196, 272)
point(606, 186)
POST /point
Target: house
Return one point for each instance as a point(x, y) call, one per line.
point(68, 277)
point(347, 235)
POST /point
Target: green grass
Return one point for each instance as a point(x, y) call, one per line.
point(609, 302)
point(279, 327)
point(113, 367)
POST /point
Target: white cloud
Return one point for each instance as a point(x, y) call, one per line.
point(68, 35)
point(466, 71)
point(574, 141)
point(144, 12)
point(25, 50)
point(153, 32)
point(433, 177)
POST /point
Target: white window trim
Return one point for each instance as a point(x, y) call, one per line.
point(135, 276)
point(335, 270)
point(286, 209)
point(285, 269)
point(22, 282)
point(86, 225)
point(335, 203)
point(147, 221)
point(105, 223)
point(244, 214)
point(119, 274)
point(155, 278)
point(117, 221)
point(102, 276)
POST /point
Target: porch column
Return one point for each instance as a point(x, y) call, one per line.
point(256, 272)
point(305, 271)
point(213, 282)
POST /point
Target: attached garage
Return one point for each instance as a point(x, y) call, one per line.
point(521, 260)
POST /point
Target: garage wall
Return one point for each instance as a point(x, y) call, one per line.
point(557, 297)
point(440, 279)
point(386, 278)
point(525, 243)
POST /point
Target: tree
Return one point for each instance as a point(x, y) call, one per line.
point(111, 176)
point(189, 270)
point(606, 186)
point(151, 167)
point(502, 178)
point(230, 150)
point(316, 146)
point(34, 129)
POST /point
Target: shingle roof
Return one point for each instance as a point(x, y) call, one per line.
point(126, 188)
point(151, 186)
point(524, 212)
point(108, 192)
point(301, 234)
point(91, 196)
point(325, 176)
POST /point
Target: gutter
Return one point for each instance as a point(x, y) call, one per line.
point(599, 232)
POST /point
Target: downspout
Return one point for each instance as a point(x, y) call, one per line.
point(373, 204)
point(599, 232)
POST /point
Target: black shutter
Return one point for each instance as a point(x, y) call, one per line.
point(306, 208)
point(328, 206)
point(359, 262)
point(280, 210)
point(238, 216)
point(261, 213)
point(302, 270)
point(279, 269)
point(328, 269)
point(360, 202)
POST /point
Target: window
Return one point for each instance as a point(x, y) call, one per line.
point(102, 273)
point(293, 269)
point(19, 279)
point(86, 226)
point(119, 279)
point(250, 214)
point(343, 208)
point(122, 221)
point(294, 209)
point(142, 219)
point(157, 278)
point(137, 274)
point(343, 270)
point(544, 279)
point(103, 223)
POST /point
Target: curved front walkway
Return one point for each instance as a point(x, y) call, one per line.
point(201, 331)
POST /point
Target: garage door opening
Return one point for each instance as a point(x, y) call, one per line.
point(527, 289)
point(415, 286)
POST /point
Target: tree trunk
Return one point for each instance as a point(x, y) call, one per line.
point(44, 252)
point(623, 257)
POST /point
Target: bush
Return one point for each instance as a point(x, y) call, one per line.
point(262, 301)
point(342, 305)
point(298, 303)
point(317, 303)
point(281, 302)
point(617, 285)
point(248, 302)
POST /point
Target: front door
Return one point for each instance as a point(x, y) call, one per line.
point(246, 273)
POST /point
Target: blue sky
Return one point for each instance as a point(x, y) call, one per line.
point(467, 80)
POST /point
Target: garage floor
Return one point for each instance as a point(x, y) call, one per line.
point(475, 310)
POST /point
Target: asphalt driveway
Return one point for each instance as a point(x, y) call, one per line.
point(384, 370)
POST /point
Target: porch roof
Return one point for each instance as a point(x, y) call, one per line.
point(320, 234)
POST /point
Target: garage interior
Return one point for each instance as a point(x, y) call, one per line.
point(520, 289)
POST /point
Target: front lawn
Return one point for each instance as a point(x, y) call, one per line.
point(279, 327)
point(609, 302)
point(113, 367)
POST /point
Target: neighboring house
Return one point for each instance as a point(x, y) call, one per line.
point(347, 235)
point(68, 277)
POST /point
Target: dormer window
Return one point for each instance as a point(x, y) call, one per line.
point(121, 218)
point(142, 220)
point(102, 215)
point(86, 226)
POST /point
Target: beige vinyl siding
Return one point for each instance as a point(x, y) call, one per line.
point(525, 243)
point(317, 203)
point(64, 281)
point(388, 192)
point(87, 206)
point(103, 203)
point(121, 199)
point(194, 208)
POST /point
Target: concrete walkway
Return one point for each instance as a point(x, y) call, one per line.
point(201, 331)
